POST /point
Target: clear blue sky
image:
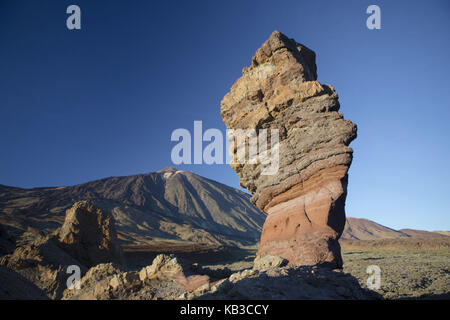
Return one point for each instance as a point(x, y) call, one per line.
point(81, 105)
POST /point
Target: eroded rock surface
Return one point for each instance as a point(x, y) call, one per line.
point(89, 235)
point(169, 267)
point(305, 199)
point(268, 262)
point(168, 277)
point(87, 238)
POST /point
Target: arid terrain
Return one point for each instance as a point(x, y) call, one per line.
point(35, 247)
point(405, 273)
point(410, 268)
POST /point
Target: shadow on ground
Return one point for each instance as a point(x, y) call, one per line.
point(317, 283)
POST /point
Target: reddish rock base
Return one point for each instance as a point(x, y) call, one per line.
point(305, 222)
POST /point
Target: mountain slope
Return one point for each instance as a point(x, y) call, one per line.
point(164, 205)
point(364, 229)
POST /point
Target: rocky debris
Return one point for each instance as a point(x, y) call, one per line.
point(168, 277)
point(305, 199)
point(166, 267)
point(94, 277)
point(43, 263)
point(126, 279)
point(163, 266)
point(289, 283)
point(86, 238)
point(89, 235)
point(268, 261)
point(161, 280)
point(106, 281)
point(235, 277)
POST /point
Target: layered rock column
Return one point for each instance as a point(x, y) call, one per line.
point(305, 199)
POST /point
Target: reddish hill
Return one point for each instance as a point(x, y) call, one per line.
point(364, 229)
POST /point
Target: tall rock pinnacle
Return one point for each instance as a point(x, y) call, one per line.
point(305, 199)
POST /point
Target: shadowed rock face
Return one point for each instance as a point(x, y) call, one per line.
point(305, 199)
point(89, 235)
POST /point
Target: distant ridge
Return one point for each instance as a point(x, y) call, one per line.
point(422, 234)
point(364, 229)
point(444, 233)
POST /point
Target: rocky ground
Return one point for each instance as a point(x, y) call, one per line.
point(405, 274)
point(168, 278)
point(37, 267)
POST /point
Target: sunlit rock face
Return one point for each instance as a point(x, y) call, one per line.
point(305, 199)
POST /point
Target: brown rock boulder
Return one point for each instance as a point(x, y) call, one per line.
point(169, 267)
point(305, 199)
point(268, 261)
point(89, 235)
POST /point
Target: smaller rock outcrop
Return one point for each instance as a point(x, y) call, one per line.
point(87, 238)
point(95, 284)
point(268, 261)
point(168, 277)
point(165, 267)
point(89, 235)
